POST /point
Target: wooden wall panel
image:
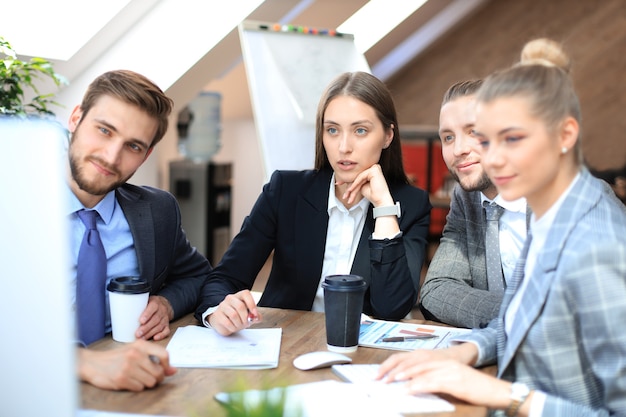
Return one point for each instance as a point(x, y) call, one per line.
point(594, 35)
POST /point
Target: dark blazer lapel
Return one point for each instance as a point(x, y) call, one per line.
point(311, 225)
point(361, 263)
point(139, 216)
point(579, 201)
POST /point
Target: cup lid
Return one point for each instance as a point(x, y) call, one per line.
point(131, 285)
point(343, 281)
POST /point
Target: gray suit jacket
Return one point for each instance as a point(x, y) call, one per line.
point(567, 338)
point(455, 290)
point(173, 267)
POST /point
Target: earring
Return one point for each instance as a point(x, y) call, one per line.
point(564, 150)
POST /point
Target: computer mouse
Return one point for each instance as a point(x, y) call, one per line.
point(319, 359)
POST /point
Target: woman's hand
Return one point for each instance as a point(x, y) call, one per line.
point(398, 367)
point(236, 312)
point(447, 371)
point(461, 381)
point(372, 185)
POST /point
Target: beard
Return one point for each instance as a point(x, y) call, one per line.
point(90, 186)
point(481, 184)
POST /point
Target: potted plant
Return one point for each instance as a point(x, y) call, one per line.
point(19, 77)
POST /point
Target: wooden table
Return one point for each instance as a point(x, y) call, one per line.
point(190, 391)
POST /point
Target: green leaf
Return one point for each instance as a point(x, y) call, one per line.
point(17, 77)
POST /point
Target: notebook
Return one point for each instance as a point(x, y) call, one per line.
point(200, 347)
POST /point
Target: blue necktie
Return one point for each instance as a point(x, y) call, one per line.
point(91, 272)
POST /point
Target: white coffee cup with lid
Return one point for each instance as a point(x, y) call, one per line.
point(128, 298)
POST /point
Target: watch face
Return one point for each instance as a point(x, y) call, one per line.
point(519, 390)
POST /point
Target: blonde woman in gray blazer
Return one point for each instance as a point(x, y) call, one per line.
point(558, 340)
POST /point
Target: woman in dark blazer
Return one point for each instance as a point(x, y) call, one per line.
point(354, 213)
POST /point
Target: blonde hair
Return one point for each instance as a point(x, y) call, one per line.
point(546, 52)
point(542, 76)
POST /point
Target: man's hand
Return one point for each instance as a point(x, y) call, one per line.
point(134, 367)
point(155, 319)
point(237, 311)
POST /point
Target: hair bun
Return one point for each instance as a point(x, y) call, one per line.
point(546, 52)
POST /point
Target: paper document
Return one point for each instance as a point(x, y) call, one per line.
point(201, 347)
point(315, 399)
point(372, 333)
point(363, 376)
point(98, 413)
point(334, 398)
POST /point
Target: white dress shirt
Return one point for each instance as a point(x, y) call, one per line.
point(342, 239)
point(512, 232)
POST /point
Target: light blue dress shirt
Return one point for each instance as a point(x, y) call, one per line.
point(116, 237)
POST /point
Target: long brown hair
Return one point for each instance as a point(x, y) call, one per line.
point(371, 91)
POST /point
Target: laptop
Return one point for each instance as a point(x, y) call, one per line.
point(37, 349)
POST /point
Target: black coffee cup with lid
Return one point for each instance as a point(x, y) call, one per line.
point(343, 304)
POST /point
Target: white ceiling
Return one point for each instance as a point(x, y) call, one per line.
point(181, 43)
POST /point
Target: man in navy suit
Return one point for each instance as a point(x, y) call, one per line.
point(122, 117)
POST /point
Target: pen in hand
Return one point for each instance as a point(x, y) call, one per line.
point(404, 338)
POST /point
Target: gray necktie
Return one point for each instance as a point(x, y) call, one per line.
point(495, 277)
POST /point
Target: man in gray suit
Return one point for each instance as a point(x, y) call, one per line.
point(121, 118)
point(456, 289)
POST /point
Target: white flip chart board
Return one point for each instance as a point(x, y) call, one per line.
point(288, 69)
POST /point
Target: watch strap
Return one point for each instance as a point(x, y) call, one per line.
point(519, 393)
point(387, 210)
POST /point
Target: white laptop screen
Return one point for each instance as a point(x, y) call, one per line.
point(37, 349)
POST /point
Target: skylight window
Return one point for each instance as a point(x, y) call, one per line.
point(376, 19)
point(55, 29)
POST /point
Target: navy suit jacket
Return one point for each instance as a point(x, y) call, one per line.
point(290, 218)
point(173, 267)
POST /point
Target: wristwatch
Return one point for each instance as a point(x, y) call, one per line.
point(519, 393)
point(387, 210)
